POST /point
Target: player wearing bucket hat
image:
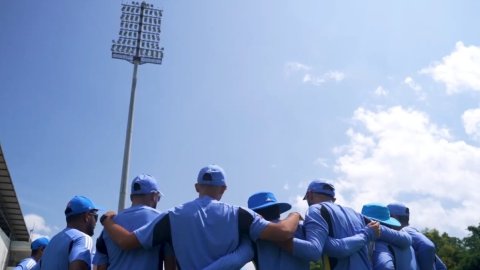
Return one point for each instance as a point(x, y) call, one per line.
point(37, 246)
point(72, 247)
point(393, 248)
point(144, 196)
point(424, 248)
point(205, 229)
point(269, 255)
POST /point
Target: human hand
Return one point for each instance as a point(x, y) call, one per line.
point(375, 225)
point(107, 216)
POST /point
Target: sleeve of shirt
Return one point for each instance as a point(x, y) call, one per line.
point(19, 267)
point(316, 232)
point(252, 220)
point(400, 239)
point(424, 249)
point(345, 247)
point(100, 257)
point(439, 265)
point(383, 261)
point(235, 260)
point(81, 250)
point(154, 233)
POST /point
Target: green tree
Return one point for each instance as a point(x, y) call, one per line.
point(449, 249)
point(471, 258)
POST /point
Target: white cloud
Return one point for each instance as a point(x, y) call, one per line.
point(286, 186)
point(471, 123)
point(291, 67)
point(321, 162)
point(459, 71)
point(400, 155)
point(308, 77)
point(416, 87)
point(299, 205)
point(37, 226)
point(380, 91)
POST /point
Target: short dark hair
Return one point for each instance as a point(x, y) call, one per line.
point(269, 213)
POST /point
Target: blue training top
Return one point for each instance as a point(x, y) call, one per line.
point(65, 247)
point(202, 231)
point(345, 222)
point(108, 252)
point(424, 249)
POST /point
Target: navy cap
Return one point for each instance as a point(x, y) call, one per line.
point(211, 175)
point(39, 243)
point(262, 200)
point(318, 186)
point(380, 213)
point(398, 209)
point(144, 184)
point(79, 205)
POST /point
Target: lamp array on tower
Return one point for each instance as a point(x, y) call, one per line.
point(139, 36)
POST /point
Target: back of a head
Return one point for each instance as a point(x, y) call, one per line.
point(39, 244)
point(211, 181)
point(266, 205)
point(142, 187)
point(400, 212)
point(326, 190)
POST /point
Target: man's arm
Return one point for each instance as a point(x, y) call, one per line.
point(283, 230)
point(316, 232)
point(123, 238)
point(344, 247)
point(424, 249)
point(235, 260)
point(400, 239)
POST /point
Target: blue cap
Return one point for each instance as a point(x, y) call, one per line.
point(144, 184)
point(380, 213)
point(318, 186)
point(39, 243)
point(211, 175)
point(398, 209)
point(262, 200)
point(79, 205)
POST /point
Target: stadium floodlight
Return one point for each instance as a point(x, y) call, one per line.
point(138, 43)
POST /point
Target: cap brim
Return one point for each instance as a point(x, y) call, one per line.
point(284, 207)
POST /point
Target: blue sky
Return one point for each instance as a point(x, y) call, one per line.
point(380, 97)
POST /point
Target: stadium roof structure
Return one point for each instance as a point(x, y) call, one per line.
point(11, 217)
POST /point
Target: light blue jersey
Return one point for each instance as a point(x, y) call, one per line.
point(424, 249)
point(26, 264)
point(345, 222)
point(382, 257)
point(109, 253)
point(271, 256)
point(202, 231)
point(65, 247)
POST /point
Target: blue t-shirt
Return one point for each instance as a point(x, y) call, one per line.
point(26, 264)
point(271, 256)
point(382, 257)
point(65, 247)
point(424, 249)
point(202, 231)
point(108, 252)
point(345, 222)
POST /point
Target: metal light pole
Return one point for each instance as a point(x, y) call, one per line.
point(138, 43)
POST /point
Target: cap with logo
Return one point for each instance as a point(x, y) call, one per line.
point(263, 200)
point(79, 205)
point(211, 175)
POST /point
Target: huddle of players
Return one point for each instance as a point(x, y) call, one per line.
point(206, 233)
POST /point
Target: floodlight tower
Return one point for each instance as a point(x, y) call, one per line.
point(137, 43)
